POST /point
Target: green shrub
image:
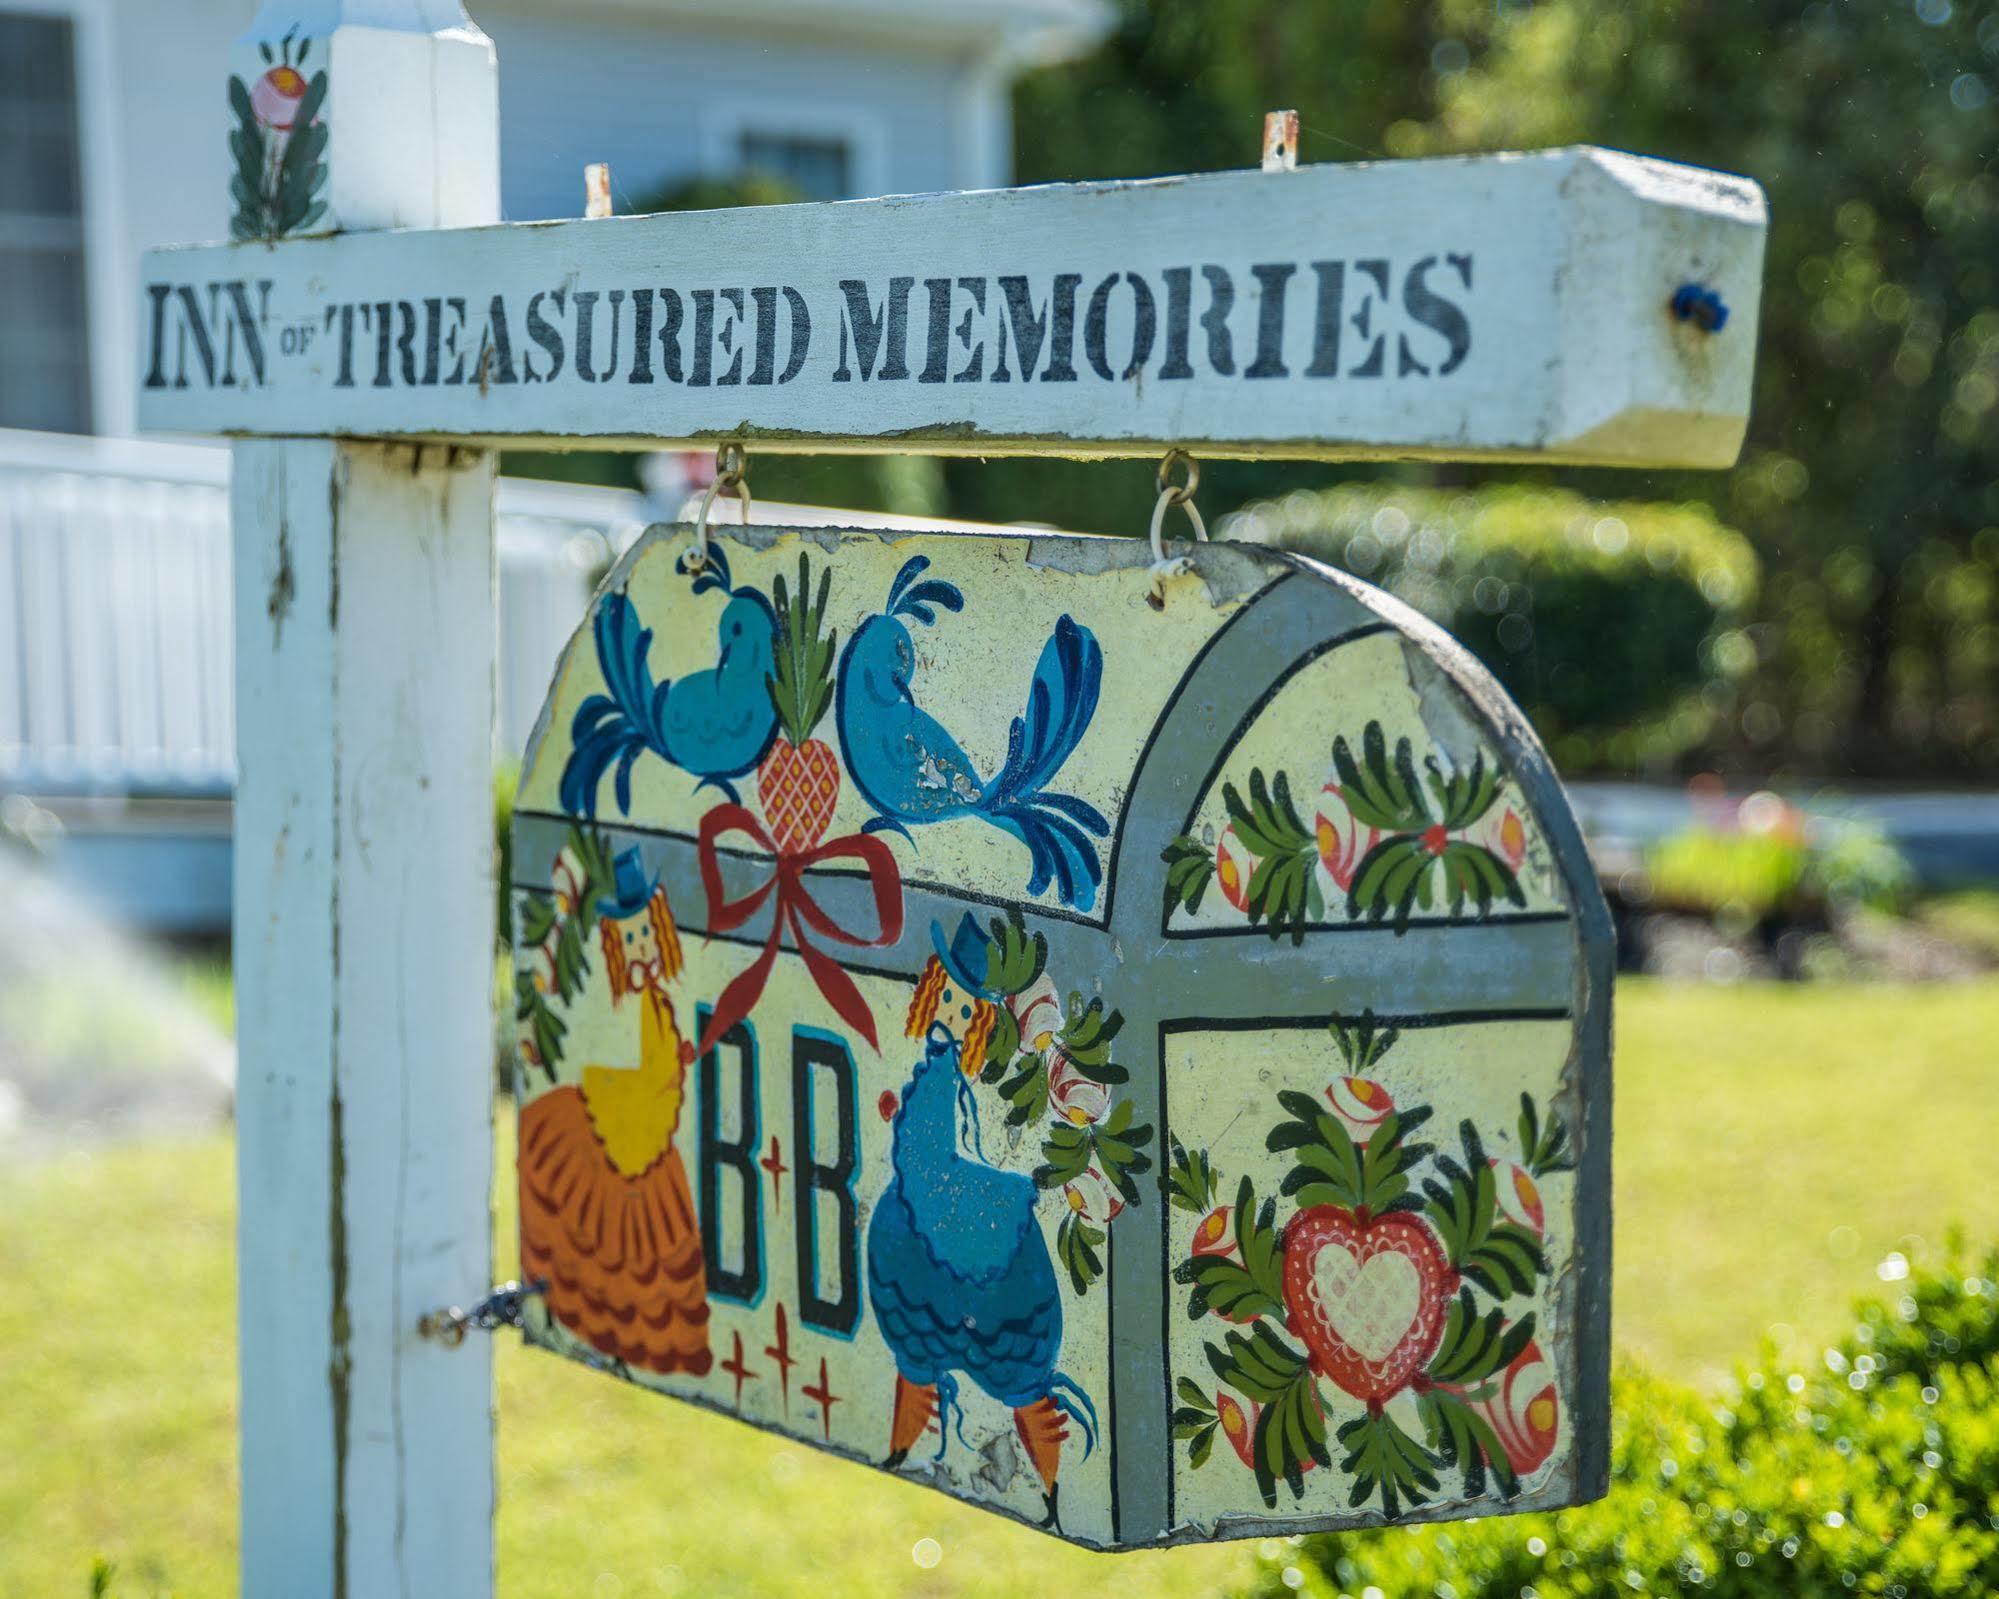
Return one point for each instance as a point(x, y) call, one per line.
point(1795, 867)
point(1613, 624)
point(1744, 875)
point(1875, 1472)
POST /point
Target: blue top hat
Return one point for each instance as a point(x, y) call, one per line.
point(633, 887)
point(967, 957)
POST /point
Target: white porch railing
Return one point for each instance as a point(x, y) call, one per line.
point(116, 648)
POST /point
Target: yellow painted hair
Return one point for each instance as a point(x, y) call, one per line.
point(664, 933)
point(923, 1011)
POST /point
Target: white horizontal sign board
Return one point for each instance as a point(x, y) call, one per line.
point(1516, 305)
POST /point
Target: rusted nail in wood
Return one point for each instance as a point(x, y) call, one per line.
point(1280, 141)
point(597, 189)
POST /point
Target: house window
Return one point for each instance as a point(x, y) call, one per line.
point(44, 350)
point(819, 168)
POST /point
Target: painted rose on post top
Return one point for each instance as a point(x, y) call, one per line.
point(278, 144)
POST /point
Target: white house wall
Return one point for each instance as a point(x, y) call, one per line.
point(661, 102)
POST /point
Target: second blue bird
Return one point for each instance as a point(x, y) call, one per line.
point(911, 770)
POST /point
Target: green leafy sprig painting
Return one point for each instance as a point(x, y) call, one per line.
point(278, 145)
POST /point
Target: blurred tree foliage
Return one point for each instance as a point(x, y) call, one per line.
point(1871, 480)
point(1615, 624)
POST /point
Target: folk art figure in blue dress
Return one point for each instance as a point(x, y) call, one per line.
point(958, 1272)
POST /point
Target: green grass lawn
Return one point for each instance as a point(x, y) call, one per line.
point(1772, 1146)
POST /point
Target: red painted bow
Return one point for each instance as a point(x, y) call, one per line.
point(798, 910)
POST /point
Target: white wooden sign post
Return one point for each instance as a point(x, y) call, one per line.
point(369, 335)
point(364, 902)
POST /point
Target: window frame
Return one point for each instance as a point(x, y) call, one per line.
point(727, 120)
point(109, 286)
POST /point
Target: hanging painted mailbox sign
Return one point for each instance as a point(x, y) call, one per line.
point(1141, 1067)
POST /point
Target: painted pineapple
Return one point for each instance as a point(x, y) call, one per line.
point(607, 1219)
point(799, 781)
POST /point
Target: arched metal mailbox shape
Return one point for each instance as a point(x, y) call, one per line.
point(1141, 1067)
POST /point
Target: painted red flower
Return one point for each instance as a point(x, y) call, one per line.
point(1216, 1233)
point(1361, 1103)
point(1519, 1196)
point(1343, 842)
point(276, 96)
point(1234, 866)
point(1525, 1410)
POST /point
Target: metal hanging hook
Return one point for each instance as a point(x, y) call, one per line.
point(1170, 494)
point(732, 472)
point(505, 1306)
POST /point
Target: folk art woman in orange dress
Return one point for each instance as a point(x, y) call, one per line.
point(607, 1219)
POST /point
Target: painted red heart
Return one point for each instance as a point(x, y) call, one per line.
point(1367, 1295)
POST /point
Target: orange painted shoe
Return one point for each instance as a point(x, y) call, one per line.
point(1042, 1428)
point(915, 1406)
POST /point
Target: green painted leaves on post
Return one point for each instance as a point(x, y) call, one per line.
point(279, 147)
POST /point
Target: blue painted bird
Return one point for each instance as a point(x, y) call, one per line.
point(715, 724)
point(909, 768)
point(958, 1272)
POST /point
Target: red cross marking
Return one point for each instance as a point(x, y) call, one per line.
point(774, 1164)
point(781, 1353)
point(735, 1368)
point(826, 1399)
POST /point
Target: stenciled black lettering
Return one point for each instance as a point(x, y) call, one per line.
point(344, 315)
point(764, 372)
point(1446, 318)
point(801, 335)
point(193, 325)
point(495, 361)
point(1273, 282)
point(1096, 326)
point(937, 332)
point(239, 318)
point(641, 371)
point(1062, 333)
point(1028, 325)
point(440, 341)
point(871, 329)
point(586, 319)
point(1332, 278)
point(157, 295)
point(546, 334)
point(1363, 321)
point(730, 335)
point(669, 336)
point(1179, 321)
point(974, 368)
point(1215, 320)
